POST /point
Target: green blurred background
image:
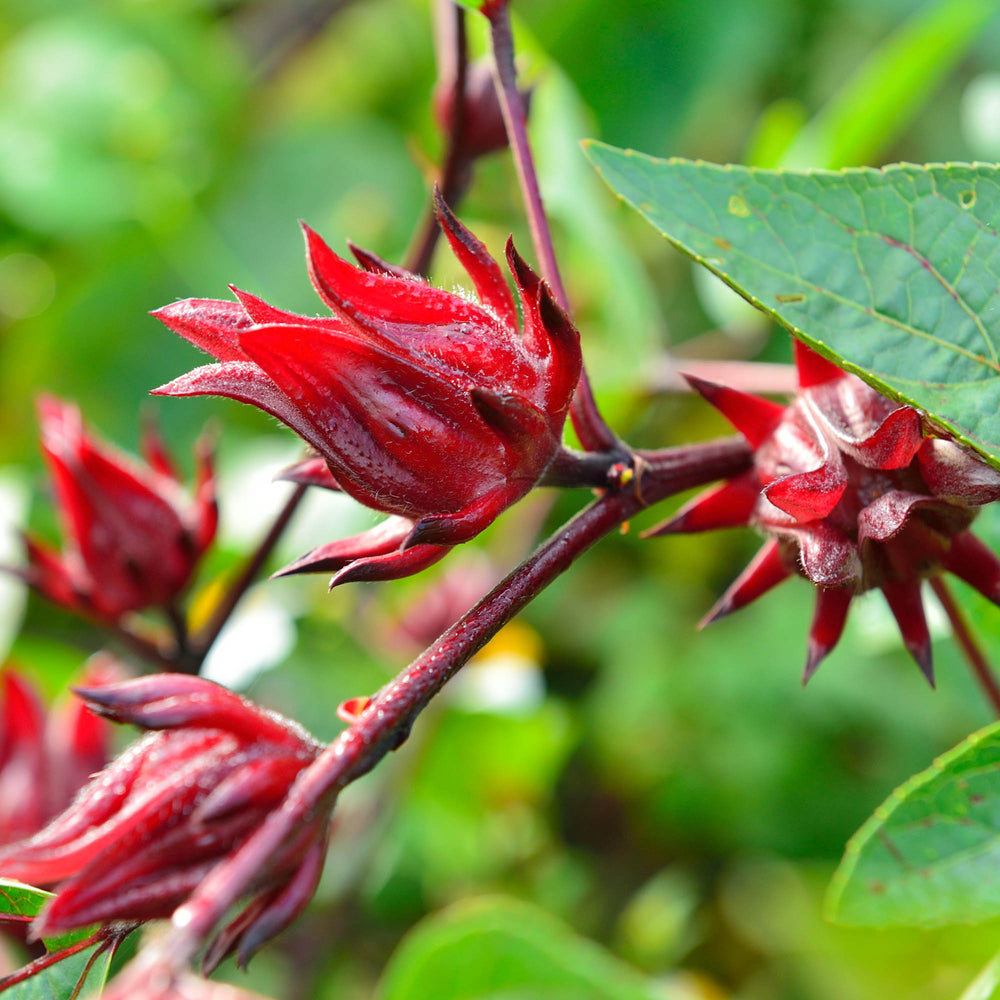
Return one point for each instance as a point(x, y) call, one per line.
point(673, 796)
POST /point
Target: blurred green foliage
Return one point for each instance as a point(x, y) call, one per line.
point(671, 795)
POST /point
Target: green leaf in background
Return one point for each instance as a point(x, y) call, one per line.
point(931, 853)
point(878, 101)
point(20, 900)
point(893, 274)
point(494, 947)
point(59, 981)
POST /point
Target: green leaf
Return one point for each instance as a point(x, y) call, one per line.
point(502, 948)
point(880, 99)
point(893, 274)
point(20, 900)
point(59, 981)
point(930, 854)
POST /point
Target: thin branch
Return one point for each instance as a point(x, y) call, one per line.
point(386, 723)
point(50, 958)
point(453, 65)
point(145, 649)
point(594, 433)
point(202, 643)
point(967, 643)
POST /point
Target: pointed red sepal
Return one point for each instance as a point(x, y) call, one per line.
point(372, 555)
point(171, 701)
point(350, 711)
point(452, 529)
point(832, 605)
point(212, 325)
point(753, 416)
point(393, 566)
point(261, 312)
point(374, 264)
point(813, 368)
point(728, 505)
point(384, 539)
point(766, 570)
point(525, 276)
point(562, 349)
point(491, 287)
point(283, 905)
point(155, 451)
point(907, 608)
point(310, 472)
point(376, 301)
point(972, 561)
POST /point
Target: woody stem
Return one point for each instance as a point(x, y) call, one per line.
point(967, 643)
point(590, 426)
point(386, 722)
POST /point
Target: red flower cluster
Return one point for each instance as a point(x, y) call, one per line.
point(132, 538)
point(422, 404)
point(44, 757)
point(854, 493)
point(149, 828)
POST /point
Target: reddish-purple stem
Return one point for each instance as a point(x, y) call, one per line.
point(590, 427)
point(967, 643)
point(386, 722)
point(50, 958)
point(202, 642)
point(453, 60)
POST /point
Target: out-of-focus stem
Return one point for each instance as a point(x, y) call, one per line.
point(145, 649)
point(593, 432)
point(967, 643)
point(453, 62)
point(386, 722)
point(189, 652)
point(202, 642)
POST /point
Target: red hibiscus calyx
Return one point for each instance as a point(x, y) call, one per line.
point(433, 408)
point(150, 827)
point(132, 536)
point(854, 492)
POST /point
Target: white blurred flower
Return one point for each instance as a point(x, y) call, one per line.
point(258, 636)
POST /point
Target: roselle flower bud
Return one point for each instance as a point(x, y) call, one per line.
point(132, 537)
point(144, 833)
point(854, 492)
point(423, 404)
point(45, 757)
point(483, 128)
